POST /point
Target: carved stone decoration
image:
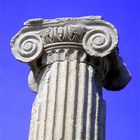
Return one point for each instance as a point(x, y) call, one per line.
point(70, 60)
point(62, 34)
point(27, 47)
point(101, 40)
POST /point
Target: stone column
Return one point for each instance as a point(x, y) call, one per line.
point(71, 59)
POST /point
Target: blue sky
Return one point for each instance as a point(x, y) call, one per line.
point(123, 107)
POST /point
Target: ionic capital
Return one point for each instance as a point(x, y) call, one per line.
point(87, 39)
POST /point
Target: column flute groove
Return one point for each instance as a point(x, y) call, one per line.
point(65, 101)
point(60, 103)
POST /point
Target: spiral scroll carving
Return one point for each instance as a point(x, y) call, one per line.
point(101, 40)
point(27, 47)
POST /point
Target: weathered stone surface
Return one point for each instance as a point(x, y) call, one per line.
point(70, 60)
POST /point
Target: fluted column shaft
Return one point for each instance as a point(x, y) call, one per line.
point(69, 104)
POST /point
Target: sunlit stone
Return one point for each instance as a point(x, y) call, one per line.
point(70, 60)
